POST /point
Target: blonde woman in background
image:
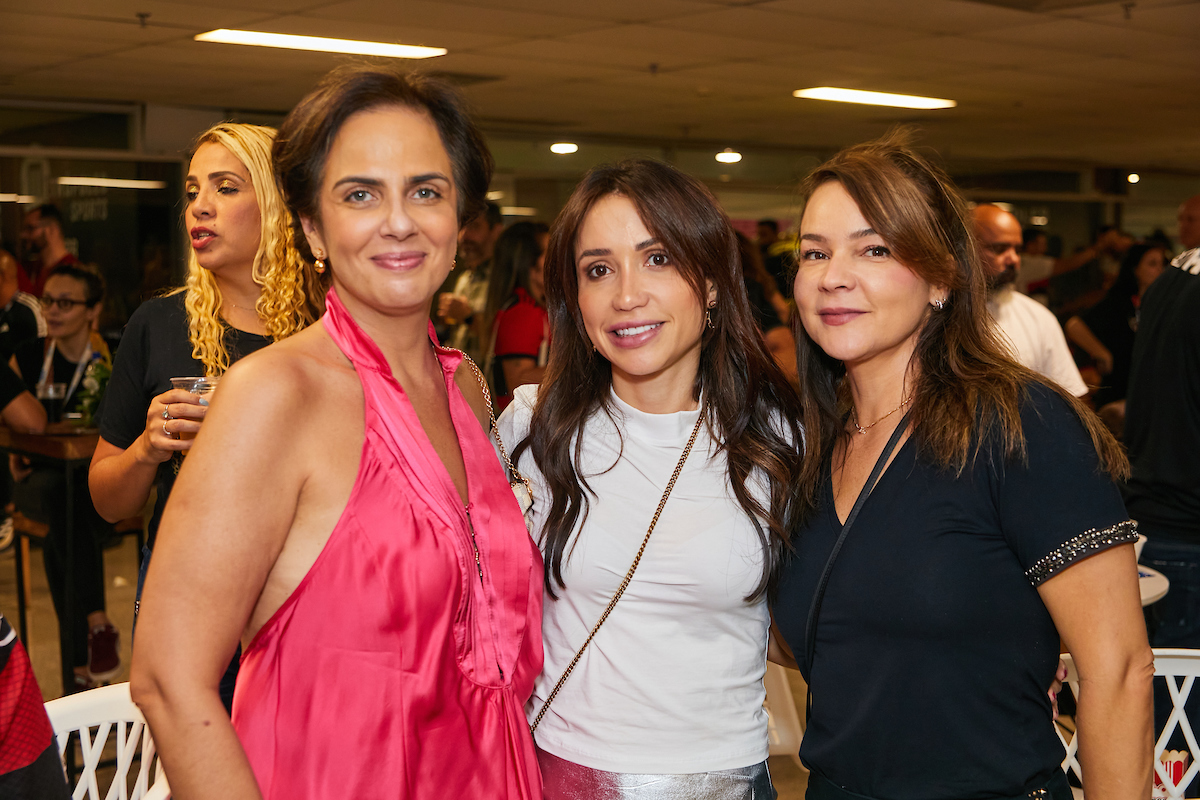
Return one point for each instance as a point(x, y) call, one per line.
point(246, 287)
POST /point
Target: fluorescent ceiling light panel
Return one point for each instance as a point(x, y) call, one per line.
point(872, 98)
point(319, 44)
point(518, 211)
point(17, 198)
point(112, 183)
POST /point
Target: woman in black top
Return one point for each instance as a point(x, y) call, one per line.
point(247, 286)
point(995, 528)
point(72, 299)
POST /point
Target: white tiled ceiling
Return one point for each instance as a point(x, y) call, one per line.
point(1080, 83)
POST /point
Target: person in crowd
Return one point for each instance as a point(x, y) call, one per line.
point(516, 307)
point(773, 251)
point(358, 532)
point(29, 765)
point(1031, 332)
point(661, 408)
point(21, 317)
point(72, 300)
point(927, 613)
point(1189, 223)
point(462, 309)
point(1162, 434)
point(771, 310)
point(42, 248)
point(19, 409)
point(1106, 330)
point(1033, 277)
point(20, 321)
point(247, 286)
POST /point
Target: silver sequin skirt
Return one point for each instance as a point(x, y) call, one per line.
point(566, 780)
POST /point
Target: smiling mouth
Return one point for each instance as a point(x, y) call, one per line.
point(634, 331)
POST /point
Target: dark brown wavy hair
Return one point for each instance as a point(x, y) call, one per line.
point(967, 388)
point(750, 407)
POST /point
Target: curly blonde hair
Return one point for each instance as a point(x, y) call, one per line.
point(293, 293)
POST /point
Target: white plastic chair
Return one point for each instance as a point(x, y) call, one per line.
point(784, 728)
point(104, 710)
point(1180, 667)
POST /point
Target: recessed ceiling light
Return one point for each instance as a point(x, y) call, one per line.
point(564, 148)
point(729, 156)
point(1133, 177)
point(1039, 221)
point(872, 98)
point(319, 44)
point(518, 211)
point(112, 183)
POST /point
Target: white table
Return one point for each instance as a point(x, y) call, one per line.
point(1154, 585)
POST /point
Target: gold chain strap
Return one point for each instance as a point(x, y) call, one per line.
point(628, 576)
point(487, 398)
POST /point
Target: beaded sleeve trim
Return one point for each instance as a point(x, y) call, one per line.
point(1079, 547)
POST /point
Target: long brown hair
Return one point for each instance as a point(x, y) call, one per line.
point(750, 407)
point(968, 389)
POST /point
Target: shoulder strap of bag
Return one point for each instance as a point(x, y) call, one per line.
point(814, 611)
point(514, 476)
point(628, 576)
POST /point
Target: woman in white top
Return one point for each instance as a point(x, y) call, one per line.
point(654, 344)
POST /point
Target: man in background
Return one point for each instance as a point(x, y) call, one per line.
point(42, 247)
point(1031, 331)
point(462, 309)
point(20, 313)
point(1033, 278)
point(1162, 434)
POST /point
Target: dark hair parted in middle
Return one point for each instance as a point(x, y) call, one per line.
point(307, 133)
point(750, 407)
point(967, 386)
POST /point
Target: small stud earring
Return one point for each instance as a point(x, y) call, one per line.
point(940, 303)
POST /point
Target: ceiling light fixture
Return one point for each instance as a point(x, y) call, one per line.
point(112, 183)
point(1133, 177)
point(872, 98)
point(518, 211)
point(729, 156)
point(17, 198)
point(564, 148)
point(319, 44)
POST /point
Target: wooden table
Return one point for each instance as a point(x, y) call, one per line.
point(68, 447)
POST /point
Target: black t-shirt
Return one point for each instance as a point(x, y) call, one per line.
point(934, 651)
point(11, 385)
point(1113, 321)
point(31, 356)
point(20, 321)
point(154, 349)
point(1162, 409)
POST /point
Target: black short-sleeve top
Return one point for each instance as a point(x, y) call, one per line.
point(934, 652)
point(154, 349)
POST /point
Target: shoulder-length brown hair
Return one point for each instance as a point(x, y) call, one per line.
point(967, 388)
point(750, 407)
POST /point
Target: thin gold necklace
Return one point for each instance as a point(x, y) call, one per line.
point(864, 429)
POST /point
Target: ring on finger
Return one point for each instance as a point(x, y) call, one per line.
point(166, 432)
point(167, 412)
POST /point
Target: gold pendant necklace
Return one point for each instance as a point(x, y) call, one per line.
point(864, 429)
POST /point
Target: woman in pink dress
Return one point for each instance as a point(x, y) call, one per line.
point(343, 512)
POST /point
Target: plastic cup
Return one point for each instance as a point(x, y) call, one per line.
point(202, 387)
point(53, 396)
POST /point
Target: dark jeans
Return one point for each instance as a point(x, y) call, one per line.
point(43, 498)
point(1174, 621)
point(229, 679)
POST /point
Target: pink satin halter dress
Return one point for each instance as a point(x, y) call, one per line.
point(394, 670)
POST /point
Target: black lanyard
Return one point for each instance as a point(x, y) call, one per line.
point(814, 611)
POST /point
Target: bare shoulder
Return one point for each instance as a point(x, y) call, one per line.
point(287, 376)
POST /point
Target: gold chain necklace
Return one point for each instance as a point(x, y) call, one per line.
point(862, 429)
